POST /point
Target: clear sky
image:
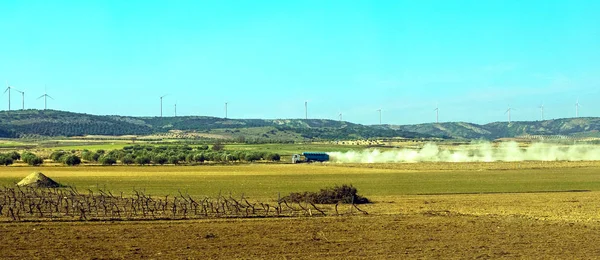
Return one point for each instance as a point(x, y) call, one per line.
point(473, 58)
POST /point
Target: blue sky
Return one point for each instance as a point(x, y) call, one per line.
point(473, 58)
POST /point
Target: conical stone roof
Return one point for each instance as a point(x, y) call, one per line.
point(38, 180)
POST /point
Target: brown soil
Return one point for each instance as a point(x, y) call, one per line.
point(427, 235)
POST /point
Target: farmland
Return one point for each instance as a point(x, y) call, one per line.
point(432, 210)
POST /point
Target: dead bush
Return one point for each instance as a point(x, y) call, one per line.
point(330, 195)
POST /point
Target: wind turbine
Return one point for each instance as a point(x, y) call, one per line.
point(45, 96)
point(22, 98)
point(306, 109)
point(341, 118)
point(175, 109)
point(576, 107)
point(161, 98)
point(542, 111)
point(508, 112)
point(226, 109)
point(379, 110)
point(8, 87)
point(437, 114)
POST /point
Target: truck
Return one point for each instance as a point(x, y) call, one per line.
point(310, 157)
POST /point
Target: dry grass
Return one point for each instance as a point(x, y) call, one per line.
point(400, 224)
point(457, 226)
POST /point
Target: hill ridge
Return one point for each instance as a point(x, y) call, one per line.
point(32, 122)
point(23, 123)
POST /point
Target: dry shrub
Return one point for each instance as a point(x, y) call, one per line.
point(330, 195)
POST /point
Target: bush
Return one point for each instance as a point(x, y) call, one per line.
point(343, 194)
point(72, 160)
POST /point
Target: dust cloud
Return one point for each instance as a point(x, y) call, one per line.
point(481, 152)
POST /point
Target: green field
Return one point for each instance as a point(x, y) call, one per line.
point(267, 180)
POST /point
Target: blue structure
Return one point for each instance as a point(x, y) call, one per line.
point(315, 157)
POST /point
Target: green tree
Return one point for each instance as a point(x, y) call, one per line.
point(107, 160)
point(217, 146)
point(199, 158)
point(232, 157)
point(90, 156)
point(72, 160)
point(174, 160)
point(56, 156)
point(116, 153)
point(14, 155)
point(5, 160)
point(189, 158)
point(159, 159)
point(86, 155)
point(252, 156)
point(181, 156)
point(127, 159)
point(274, 157)
point(35, 161)
point(96, 156)
point(142, 160)
point(27, 156)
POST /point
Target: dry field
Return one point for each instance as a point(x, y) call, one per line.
point(427, 210)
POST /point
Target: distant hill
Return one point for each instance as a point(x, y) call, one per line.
point(576, 127)
point(24, 123)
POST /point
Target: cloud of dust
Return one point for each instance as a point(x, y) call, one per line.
point(481, 152)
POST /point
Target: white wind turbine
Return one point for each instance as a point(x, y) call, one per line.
point(577, 108)
point(437, 113)
point(379, 110)
point(45, 96)
point(8, 88)
point(161, 99)
point(22, 98)
point(508, 112)
point(306, 109)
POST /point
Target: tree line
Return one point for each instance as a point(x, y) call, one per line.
point(145, 155)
